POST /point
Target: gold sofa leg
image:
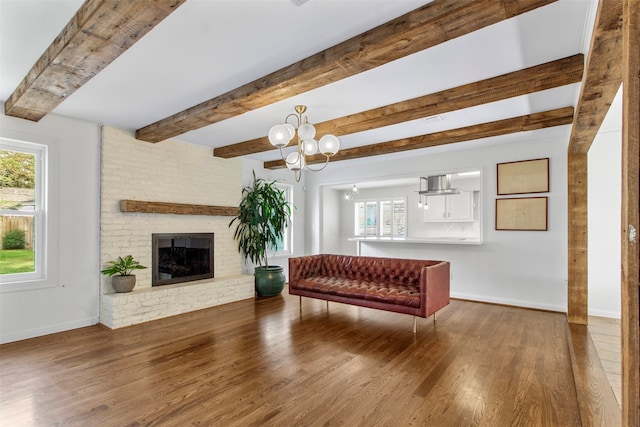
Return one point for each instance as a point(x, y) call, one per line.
point(415, 324)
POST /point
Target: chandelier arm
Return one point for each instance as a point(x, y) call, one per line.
point(282, 155)
point(285, 160)
point(286, 119)
point(326, 162)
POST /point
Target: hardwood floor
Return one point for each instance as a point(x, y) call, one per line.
point(265, 362)
point(605, 334)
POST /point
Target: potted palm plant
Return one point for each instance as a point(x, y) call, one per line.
point(120, 272)
point(260, 223)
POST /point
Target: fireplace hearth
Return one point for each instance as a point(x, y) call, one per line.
point(181, 257)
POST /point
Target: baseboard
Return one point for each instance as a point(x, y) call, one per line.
point(51, 329)
point(509, 302)
point(605, 313)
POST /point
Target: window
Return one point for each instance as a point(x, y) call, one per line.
point(392, 218)
point(23, 212)
point(285, 245)
point(392, 214)
point(366, 218)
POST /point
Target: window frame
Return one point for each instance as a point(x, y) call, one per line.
point(43, 276)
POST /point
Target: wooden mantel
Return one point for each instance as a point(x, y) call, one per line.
point(176, 208)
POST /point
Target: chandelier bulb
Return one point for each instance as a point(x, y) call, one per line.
point(279, 136)
point(306, 131)
point(309, 146)
point(329, 145)
point(295, 161)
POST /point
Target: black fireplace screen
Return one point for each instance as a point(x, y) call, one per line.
point(181, 257)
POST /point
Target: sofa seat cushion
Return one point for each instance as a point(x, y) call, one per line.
point(398, 294)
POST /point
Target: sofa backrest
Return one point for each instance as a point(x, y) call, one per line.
point(391, 270)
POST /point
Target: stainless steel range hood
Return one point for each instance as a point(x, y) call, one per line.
point(436, 185)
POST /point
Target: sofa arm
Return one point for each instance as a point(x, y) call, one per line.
point(436, 286)
point(303, 267)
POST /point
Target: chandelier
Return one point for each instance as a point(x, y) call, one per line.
point(280, 135)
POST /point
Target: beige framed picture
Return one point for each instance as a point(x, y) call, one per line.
point(525, 213)
point(525, 176)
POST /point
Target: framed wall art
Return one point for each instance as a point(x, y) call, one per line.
point(525, 213)
point(525, 176)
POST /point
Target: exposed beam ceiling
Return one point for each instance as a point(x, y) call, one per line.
point(602, 78)
point(541, 77)
point(425, 27)
point(98, 33)
point(558, 117)
point(415, 32)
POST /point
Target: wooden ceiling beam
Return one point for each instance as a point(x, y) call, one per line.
point(529, 122)
point(602, 76)
point(420, 29)
point(522, 82)
point(97, 34)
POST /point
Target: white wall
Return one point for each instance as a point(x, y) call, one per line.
point(604, 208)
point(72, 301)
point(332, 206)
point(523, 268)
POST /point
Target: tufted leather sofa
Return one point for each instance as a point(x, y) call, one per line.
point(410, 286)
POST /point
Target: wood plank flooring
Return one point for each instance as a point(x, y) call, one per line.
point(606, 336)
point(597, 403)
point(266, 362)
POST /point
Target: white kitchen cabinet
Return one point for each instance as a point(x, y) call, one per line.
point(437, 209)
point(450, 208)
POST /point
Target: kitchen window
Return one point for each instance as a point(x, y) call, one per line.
point(380, 218)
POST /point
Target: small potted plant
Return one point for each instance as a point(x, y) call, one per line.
point(120, 272)
point(262, 217)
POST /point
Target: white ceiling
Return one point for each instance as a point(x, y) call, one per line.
point(209, 47)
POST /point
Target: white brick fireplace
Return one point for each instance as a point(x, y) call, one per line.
point(174, 172)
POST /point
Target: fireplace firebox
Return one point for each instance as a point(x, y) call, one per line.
point(181, 257)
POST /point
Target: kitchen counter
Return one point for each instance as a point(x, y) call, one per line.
point(444, 240)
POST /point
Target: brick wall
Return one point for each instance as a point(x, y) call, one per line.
point(143, 305)
point(169, 171)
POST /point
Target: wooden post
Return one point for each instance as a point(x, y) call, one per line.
point(630, 213)
point(577, 309)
